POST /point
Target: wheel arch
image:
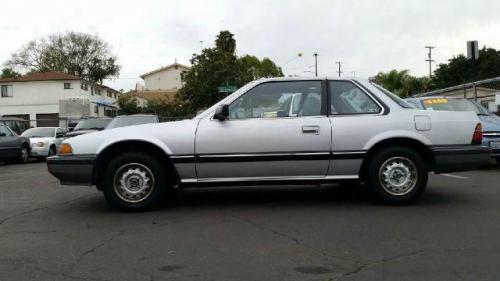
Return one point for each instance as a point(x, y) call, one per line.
point(411, 143)
point(114, 149)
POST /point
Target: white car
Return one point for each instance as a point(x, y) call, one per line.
point(342, 129)
point(44, 141)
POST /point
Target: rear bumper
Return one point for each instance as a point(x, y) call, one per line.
point(460, 158)
point(72, 169)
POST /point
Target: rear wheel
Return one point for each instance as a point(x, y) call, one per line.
point(135, 182)
point(397, 175)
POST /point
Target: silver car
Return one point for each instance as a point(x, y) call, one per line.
point(44, 141)
point(276, 131)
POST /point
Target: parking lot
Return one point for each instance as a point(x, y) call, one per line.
point(51, 232)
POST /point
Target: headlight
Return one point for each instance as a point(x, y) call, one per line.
point(65, 149)
point(38, 144)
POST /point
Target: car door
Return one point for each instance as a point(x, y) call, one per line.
point(9, 144)
point(356, 116)
point(268, 136)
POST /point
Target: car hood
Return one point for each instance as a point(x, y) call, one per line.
point(490, 123)
point(175, 136)
point(79, 132)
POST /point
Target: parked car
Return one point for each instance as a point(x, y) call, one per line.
point(130, 120)
point(44, 141)
point(345, 129)
point(12, 146)
point(17, 125)
point(490, 122)
point(89, 125)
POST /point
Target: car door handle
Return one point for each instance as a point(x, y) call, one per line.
point(310, 129)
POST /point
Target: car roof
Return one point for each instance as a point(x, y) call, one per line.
point(302, 78)
point(136, 115)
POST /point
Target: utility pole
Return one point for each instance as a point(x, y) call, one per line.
point(429, 59)
point(340, 66)
point(315, 64)
point(353, 73)
point(201, 45)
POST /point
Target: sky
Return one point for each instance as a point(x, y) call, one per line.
point(367, 36)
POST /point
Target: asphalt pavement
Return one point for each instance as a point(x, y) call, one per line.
point(53, 232)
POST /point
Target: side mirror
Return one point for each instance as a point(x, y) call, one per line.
point(222, 112)
point(59, 135)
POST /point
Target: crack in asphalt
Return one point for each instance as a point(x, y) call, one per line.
point(42, 208)
point(100, 245)
point(404, 255)
point(296, 241)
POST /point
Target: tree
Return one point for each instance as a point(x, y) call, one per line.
point(83, 55)
point(460, 70)
point(402, 83)
point(128, 105)
point(9, 73)
point(219, 66)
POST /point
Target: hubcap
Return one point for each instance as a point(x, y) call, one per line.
point(398, 176)
point(24, 154)
point(133, 182)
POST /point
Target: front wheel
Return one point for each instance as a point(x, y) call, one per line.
point(24, 154)
point(397, 175)
point(135, 182)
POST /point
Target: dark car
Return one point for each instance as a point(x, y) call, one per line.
point(12, 146)
point(90, 125)
point(17, 125)
point(130, 120)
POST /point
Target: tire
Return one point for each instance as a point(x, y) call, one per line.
point(24, 154)
point(397, 175)
point(52, 151)
point(498, 159)
point(135, 182)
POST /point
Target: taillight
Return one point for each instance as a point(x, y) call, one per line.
point(477, 137)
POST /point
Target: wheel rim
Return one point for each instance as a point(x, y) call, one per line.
point(398, 176)
point(24, 154)
point(133, 182)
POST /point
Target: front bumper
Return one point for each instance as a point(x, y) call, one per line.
point(72, 169)
point(460, 158)
point(39, 151)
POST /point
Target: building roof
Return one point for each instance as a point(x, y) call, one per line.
point(41, 76)
point(174, 65)
point(160, 95)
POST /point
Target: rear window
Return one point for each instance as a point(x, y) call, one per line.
point(393, 97)
point(446, 104)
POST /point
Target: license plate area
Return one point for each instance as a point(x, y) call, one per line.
point(495, 144)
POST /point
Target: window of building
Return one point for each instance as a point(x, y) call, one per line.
point(96, 109)
point(84, 87)
point(98, 91)
point(7, 91)
point(92, 90)
point(67, 86)
point(109, 93)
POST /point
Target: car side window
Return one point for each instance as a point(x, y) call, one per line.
point(347, 98)
point(278, 99)
point(4, 131)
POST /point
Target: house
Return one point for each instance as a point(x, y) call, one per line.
point(159, 85)
point(164, 78)
point(51, 98)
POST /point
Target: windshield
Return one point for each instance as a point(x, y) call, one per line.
point(446, 104)
point(122, 121)
point(95, 124)
point(39, 132)
point(393, 97)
